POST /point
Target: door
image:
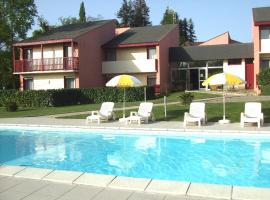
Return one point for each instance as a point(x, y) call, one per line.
point(202, 77)
point(250, 76)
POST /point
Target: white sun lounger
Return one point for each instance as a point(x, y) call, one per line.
point(196, 114)
point(144, 113)
point(253, 114)
point(104, 114)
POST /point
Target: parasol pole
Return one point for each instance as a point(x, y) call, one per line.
point(124, 103)
point(224, 105)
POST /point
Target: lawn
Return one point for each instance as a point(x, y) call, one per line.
point(32, 112)
point(214, 112)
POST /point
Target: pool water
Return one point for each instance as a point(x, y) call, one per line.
point(204, 159)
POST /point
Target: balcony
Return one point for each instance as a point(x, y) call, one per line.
point(129, 66)
point(46, 64)
point(265, 46)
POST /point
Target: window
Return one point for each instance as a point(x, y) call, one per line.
point(28, 84)
point(265, 33)
point(67, 51)
point(265, 64)
point(215, 63)
point(151, 53)
point(69, 82)
point(235, 62)
point(197, 64)
point(151, 80)
point(27, 54)
point(110, 55)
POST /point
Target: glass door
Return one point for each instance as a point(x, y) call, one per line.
point(202, 77)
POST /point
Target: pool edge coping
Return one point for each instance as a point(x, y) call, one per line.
point(179, 188)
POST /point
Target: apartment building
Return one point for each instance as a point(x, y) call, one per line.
point(88, 55)
point(142, 52)
point(66, 57)
point(261, 40)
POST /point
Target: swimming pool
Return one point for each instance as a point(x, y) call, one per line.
point(195, 158)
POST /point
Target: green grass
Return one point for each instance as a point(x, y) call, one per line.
point(214, 112)
point(32, 112)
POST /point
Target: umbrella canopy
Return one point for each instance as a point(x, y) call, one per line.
point(223, 79)
point(124, 81)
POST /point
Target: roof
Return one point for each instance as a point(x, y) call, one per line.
point(146, 34)
point(261, 14)
point(212, 52)
point(66, 32)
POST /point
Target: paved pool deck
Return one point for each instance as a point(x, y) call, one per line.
point(17, 183)
point(155, 126)
point(21, 183)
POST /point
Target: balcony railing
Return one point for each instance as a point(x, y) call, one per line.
point(46, 64)
point(129, 66)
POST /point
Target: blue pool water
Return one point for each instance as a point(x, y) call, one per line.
point(244, 162)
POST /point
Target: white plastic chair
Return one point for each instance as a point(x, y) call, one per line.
point(253, 114)
point(196, 114)
point(144, 113)
point(104, 114)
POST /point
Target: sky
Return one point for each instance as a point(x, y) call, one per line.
point(210, 17)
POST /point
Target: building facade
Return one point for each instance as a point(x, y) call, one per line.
point(88, 55)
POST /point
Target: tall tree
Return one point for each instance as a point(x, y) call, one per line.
point(16, 18)
point(170, 17)
point(141, 14)
point(68, 20)
point(125, 13)
point(82, 13)
point(183, 25)
point(191, 32)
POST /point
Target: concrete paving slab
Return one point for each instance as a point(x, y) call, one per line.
point(39, 197)
point(12, 196)
point(210, 190)
point(250, 193)
point(98, 180)
point(7, 183)
point(168, 187)
point(33, 173)
point(28, 186)
point(109, 194)
point(81, 193)
point(10, 170)
point(63, 176)
point(146, 196)
point(54, 190)
point(129, 183)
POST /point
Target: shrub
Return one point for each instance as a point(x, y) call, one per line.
point(65, 97)
point(264, 77)
point(186, 98)
point(11, 106)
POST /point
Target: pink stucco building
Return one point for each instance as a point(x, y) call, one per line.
point(88, 55)
point(261, 40)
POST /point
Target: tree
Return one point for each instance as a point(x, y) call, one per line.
point(16, 18)
point(170, 17)
point(183, 25)
point(191, 32)
point(68, 20)
point(125, 13)
point(82, 13)
point(141, 14)
point(44, 27)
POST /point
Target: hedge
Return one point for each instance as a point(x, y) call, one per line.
point(265, 90)
point(64, 97)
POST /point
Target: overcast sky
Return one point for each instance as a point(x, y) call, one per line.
point(211, 17)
